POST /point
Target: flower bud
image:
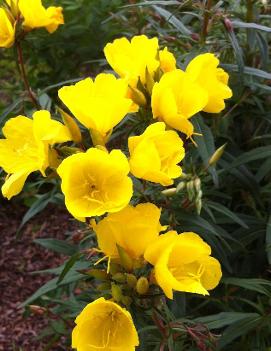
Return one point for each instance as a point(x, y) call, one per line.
point(149, 81)
point(217, 155)
point(71, 125)
point(180, 186)
point(142, 286)
point(125, 259)
point(197, 184)
point(169, 192)
point(116, 292)
point(190, 190)
point(97, 273)
point(138, 97)
point(37, 309)
point(131, 280)
point(119, 277)
point(126, 300)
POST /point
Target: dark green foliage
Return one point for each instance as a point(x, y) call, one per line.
point(235, 216)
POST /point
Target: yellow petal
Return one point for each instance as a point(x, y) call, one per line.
point(14, 184)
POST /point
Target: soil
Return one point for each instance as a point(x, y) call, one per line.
point(18, 258)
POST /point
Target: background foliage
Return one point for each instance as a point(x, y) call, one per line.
point(235, 216)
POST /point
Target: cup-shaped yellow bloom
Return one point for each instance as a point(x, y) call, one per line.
point(155, 154)
point(130, 59)
point(104, 325)
point(95, 182)
point(132, 228)
point(176, 98)
point(203, 69)
point(26, 148)
point(183, 262)
point(100, 104)
point(35, 15)
point(167, 60)
point(7, 30)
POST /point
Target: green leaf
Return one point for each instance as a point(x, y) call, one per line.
point(238, 329)
point(58, 246)
point(223, 319)
point(224, 210)
point(239, 24)
point(268, 240)
point(37, 206)
point(248, 70)
point(252, 155)
point(69, 264)
point(259, 285)
point(174, 21)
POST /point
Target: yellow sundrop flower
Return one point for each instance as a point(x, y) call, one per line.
point(203, 69)
point(130, 59)
point(183, 263)
point(36, 15)
point(26, 148)
point(155, 154)
point(176, 98)
point(56, 18)
point(100, 104)
point(7, 30)
point(167, 60)
point(132, 228)
point(95, 182)
point(104, 325)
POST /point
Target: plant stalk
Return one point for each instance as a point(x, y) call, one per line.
point(24, 76)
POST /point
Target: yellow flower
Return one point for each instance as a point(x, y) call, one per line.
point(167, 60)
point(155, 154)
point(204, 71)
point(26, 148)
point(100, 104)
point(36, 15)
point(7, 30)
point(176, 98)
point(132, 228)
point(183, 262)
point(56, 18)
point(129, 59)
point(95, 182)
point(104, 325)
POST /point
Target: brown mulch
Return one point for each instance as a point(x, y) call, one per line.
point(18, 258)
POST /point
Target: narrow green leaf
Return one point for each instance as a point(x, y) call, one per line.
point(69, 264)
point(268, 240)
point(59, 246)
point(174, 21)
point(239, 24)
point(248, 70)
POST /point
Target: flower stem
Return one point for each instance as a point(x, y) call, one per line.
point(24, 76)
point(206, 17)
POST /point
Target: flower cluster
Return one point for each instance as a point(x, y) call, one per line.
point(26, 15)
point(142, 255)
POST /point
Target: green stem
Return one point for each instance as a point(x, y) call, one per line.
point(206, 18)
point(24, 76)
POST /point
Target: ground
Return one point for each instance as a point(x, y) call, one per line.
point(18, 258)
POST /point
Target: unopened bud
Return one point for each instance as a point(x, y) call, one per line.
point(142, 286)
point(190, 190)
point(180, 186)
point(125, 259)
point(71, 125)
point(97, 273)
point(126, 300)
point(104, 286)
point(228, 25)
point(37, 309)
point(169, 192)
point(119, 277)
point(149, 81)
point(131, 280)
point(138, 97)
point(217, 155)
point(197, 184)
point(116, 292)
